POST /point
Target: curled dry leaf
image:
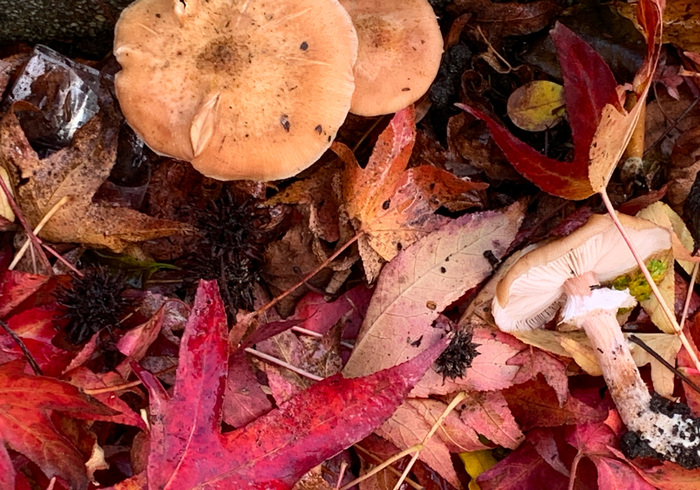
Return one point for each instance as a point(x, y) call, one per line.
point(424, 280)
point(616, 124)
point(75, 172)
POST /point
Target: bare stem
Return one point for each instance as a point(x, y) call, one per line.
point(20, 343)
point(380, 467)
point(642, 266)
point(283, 364)
point(36, 230)
point(125, 386)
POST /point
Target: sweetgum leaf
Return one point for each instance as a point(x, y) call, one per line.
point(588, 86)
point(274, 451)
point(26, 403)
point(393, 205)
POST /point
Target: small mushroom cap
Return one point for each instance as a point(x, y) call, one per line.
point(398, 55)
point(243, 89)
point(530, 293)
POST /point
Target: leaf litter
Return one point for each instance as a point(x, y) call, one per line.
point(175, 400)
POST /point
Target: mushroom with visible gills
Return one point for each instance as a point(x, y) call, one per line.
point(566, 275)
point(243, 89)
point(400, 47)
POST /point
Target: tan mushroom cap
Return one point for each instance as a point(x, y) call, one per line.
point(398, 55)
point(243, 89)
point(529, 294)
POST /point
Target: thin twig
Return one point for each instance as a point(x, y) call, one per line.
point(574, 467)
point(61, 259)
point(27, 229)
point(689, 294)
point(125, 386)
point(343, 467)
point(283, 364)
point(647, 275)
point(388, 468)
point(42, 223)
point(380, 467)
point(308, 277)
point(455, 401)
point(672, 126)
point(317, 335)
point(666, 364)
point(20, 343)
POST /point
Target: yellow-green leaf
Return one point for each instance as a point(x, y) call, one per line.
point(537, 106)
point(476, 462)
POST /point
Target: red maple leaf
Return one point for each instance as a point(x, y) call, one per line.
point(26, 404)
point(189, 451)
point(588, 86)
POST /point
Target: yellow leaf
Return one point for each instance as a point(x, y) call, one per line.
point(476, 462)
point(537, 106)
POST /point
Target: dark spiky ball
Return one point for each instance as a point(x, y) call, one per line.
point(93, 303)
point(230, 250)
point(458, 356)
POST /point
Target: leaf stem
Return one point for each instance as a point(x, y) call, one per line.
point(36, 231)
point(20, 343)
point(282, 363)
point(455, 401)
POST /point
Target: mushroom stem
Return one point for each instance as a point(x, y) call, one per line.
point(674, 436)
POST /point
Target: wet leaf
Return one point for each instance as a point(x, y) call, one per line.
point(188, 449)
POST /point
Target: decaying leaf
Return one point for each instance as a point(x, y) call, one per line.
point(537, 106)
point(422, 281)
point(75, 172)
point(395, 206)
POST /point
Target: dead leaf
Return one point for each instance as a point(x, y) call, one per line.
point(187, 449)
point(616, 124)
point(395, 206)
point(411, 423)
point(75, 172)
point(422, 281)
point(537, 106)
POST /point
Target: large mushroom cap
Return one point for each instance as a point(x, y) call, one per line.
point(398, 55)
point(243, 89)
point(528, 295)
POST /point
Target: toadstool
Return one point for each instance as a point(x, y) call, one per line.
point(566, 275)
point(243, 89)
point(400, 47)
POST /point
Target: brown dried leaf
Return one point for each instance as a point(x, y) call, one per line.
point(75, 172)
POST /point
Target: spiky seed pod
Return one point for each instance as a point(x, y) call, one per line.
point(93, 303)
point(458, 356)
point(233, 237)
